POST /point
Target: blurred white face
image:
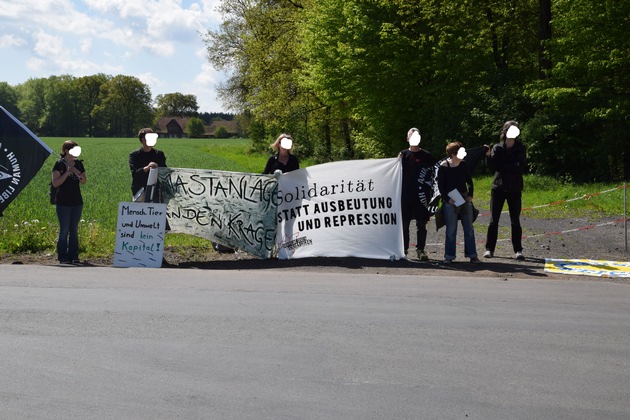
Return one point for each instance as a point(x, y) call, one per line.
point(512, 132)
point(75, 151)
point(414, 139)
point(461, 153)
point(286, 143)
point(150, 139)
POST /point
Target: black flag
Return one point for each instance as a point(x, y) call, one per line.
point(22, 154)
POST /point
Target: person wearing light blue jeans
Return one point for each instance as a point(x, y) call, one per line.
point(451, 214)
point(456, 188)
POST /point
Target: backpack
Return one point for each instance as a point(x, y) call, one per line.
point(54, 190)
point(53, 193)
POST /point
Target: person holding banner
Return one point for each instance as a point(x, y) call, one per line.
point(456, 188)
point(67, 176)
point(144, 159)
point(507, 159)
point(283, 160)
point(417, 190)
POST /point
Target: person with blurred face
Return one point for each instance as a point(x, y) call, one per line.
point(144, 159)
point(507, 160)
point(283, 160)
point(417, 189)
point(68, 175)
point(456, 189)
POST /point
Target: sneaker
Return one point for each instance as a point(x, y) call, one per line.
point(475, 260)
point(488, 254)
point(65, 262)
point(519, 256)
point(76, 262)
point(447, 261)
point(422, 256)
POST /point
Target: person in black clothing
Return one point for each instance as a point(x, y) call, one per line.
point(507, 159)
point(283, 160)
point(417, 189)
point(141, 161)
point(456, 189)
point(67, 176)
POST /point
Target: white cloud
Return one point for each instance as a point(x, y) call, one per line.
point(11, 41)
point(157, 41)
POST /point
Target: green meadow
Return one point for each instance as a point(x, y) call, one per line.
point(30, 225)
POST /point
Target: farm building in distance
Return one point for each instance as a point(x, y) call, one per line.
point(175, 127)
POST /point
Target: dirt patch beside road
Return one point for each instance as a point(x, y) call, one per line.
point(579, 238)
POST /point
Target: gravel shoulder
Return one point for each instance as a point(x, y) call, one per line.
point(579, 238)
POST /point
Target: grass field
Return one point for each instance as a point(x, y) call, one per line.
point(30, 224)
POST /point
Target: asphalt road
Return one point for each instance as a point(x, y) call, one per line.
point(86, 342)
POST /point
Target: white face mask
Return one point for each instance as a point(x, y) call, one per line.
point(286, 143)
point(512, 132)
point(461, 153)
point(150, 139)
point(414, 139)
point(75, 151)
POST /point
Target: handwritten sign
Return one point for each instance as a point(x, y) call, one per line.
point(140, 235)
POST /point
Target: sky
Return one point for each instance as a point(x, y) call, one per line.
point(158, 41)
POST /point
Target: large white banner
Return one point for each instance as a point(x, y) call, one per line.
point(341, 209)
point(233, 208)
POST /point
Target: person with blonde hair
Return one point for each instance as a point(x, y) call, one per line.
point(68, 175)
point(283, 160)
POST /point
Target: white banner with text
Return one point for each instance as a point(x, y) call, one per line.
point(341, 209)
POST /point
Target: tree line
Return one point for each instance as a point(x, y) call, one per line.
point(97, 106)
point(348, 78)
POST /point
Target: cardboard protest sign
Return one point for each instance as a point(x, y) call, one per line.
point(140, 235)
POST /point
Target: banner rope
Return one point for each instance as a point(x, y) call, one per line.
point(568, 200)
point(561, 232)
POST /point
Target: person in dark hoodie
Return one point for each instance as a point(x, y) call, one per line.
point(507, 160)
point(144, 159)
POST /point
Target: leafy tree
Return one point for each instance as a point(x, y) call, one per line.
point(9, 98)
point(221, 133)
point(32, 103)
point(582, 119)
point(195, 127)
point(89, 98)
point(125, 106)
point(176, 104)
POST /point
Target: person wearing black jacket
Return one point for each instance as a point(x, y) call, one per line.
point(507, 160)
point(417, 190)
point(283, 160)
point(144, 159)
point(68, 175)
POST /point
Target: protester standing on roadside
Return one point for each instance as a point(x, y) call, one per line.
point(283, 160)
point(67, 176)
point(417, 190)
point(144, 159)
point(507, 159)
point(456, 188)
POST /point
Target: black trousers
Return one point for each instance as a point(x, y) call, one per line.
point(497, 199)
point(415, 210)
